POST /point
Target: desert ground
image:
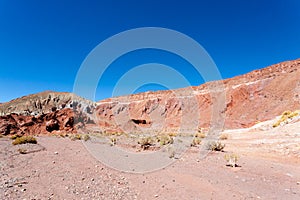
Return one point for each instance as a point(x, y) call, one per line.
point(58, 168)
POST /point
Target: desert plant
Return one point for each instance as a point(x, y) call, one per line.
point(165, 139)
point(223, 137)
point(231, 160)
point(24, 140)
point(200, 135)
point(173, 134)
point(196, 141)
point(13, 137)
point(113, 141)
point(215, 146)
point(285, 116)
point(146, 142)
point(74, 137)
point(22, 151)
point(85, 137)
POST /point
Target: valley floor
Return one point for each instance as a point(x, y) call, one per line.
point(58, 168)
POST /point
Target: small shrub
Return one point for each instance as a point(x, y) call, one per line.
point(24, 140)
point(200, 135)
point(165, 139)
point(85, 137)
point(284, 117)
point(215, 146)
point(172, 154)
point(13, 137)
point(172, 134)
point(74, 137)
point(63, 135)
point(231, 160)
point(196, 141)
point(22, 151)
point(223, 137)
point(113, 141)
point(146, 142)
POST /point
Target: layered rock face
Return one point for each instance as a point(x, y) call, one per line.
point(46, 112)
point(238, 102)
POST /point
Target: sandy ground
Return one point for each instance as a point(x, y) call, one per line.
point(58, 168)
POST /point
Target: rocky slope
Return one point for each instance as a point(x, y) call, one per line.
point(46, 112)
point(232, 103)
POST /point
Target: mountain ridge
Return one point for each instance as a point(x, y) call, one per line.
point(246, 99)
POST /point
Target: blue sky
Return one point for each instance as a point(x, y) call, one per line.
point(43, 43)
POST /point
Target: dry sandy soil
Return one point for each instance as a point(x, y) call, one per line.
point(58, 168)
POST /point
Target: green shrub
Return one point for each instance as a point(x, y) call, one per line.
point(24, 140)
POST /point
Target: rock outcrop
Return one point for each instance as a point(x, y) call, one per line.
point(46, 112)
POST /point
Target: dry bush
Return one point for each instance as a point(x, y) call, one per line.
point(223, 137)
point(113, 141)
point(200, 135)
point(22, 151)
point(215, 146)
point(146, 142)
point(173, 134)
point(85, 137)
point(285, 116)
point(231, 160)
point(74, 137)
point(13, 137)
point(196, 141)
point(164, 139)
point(24, 140)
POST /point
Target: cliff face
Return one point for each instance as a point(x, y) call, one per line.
point(240, 101)
point(232, 103)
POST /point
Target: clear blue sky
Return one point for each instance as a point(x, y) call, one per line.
point(43, 43)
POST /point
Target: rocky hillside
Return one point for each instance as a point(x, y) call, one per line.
point(237, 102)
point(232, 103)
point(45, 112)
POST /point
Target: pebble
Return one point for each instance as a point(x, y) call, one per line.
point(23, 190)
